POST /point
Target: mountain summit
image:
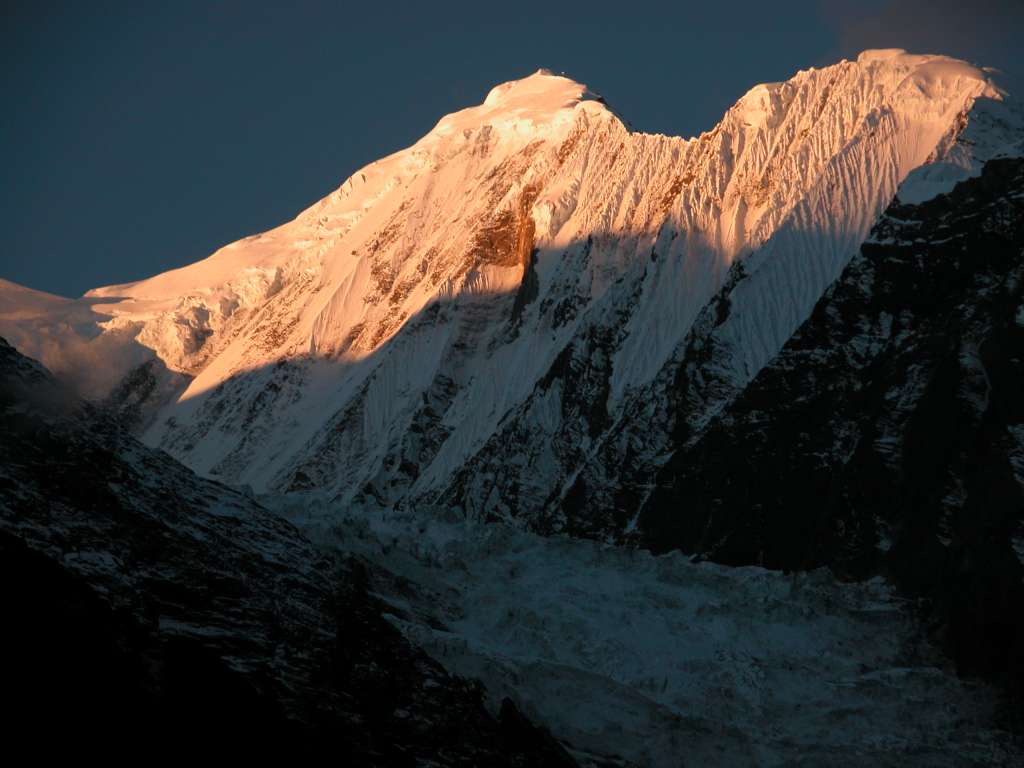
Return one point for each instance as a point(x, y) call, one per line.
point(521, 278)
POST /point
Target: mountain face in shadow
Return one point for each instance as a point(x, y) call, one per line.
point(148, 606)
point(888, 435)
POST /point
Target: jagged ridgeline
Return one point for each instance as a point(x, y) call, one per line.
point(518, 315)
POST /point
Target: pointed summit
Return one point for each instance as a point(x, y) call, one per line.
point(536, 105)
point(542, 86)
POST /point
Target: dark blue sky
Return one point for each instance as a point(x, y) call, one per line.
point(140, 136)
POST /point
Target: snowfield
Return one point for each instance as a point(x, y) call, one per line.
point(639, 660)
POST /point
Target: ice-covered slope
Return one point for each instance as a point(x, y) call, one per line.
point(466, 321)
point(634, 660)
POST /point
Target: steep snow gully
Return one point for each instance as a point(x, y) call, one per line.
point(478, 365)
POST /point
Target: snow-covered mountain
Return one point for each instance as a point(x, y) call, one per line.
point(490, 318)
point(793, 341)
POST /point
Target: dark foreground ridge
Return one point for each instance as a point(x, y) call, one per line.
point(143, 604)
point(888, 435)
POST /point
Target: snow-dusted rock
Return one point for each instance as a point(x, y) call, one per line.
point(147, 609)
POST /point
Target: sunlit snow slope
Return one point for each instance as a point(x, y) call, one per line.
point(467, 321)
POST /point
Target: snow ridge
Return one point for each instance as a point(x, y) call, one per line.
point(464, 319)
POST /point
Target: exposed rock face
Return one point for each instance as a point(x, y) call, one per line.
point(888, 435)
point(144, 602)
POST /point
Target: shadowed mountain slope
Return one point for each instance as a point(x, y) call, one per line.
point(146, 604)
